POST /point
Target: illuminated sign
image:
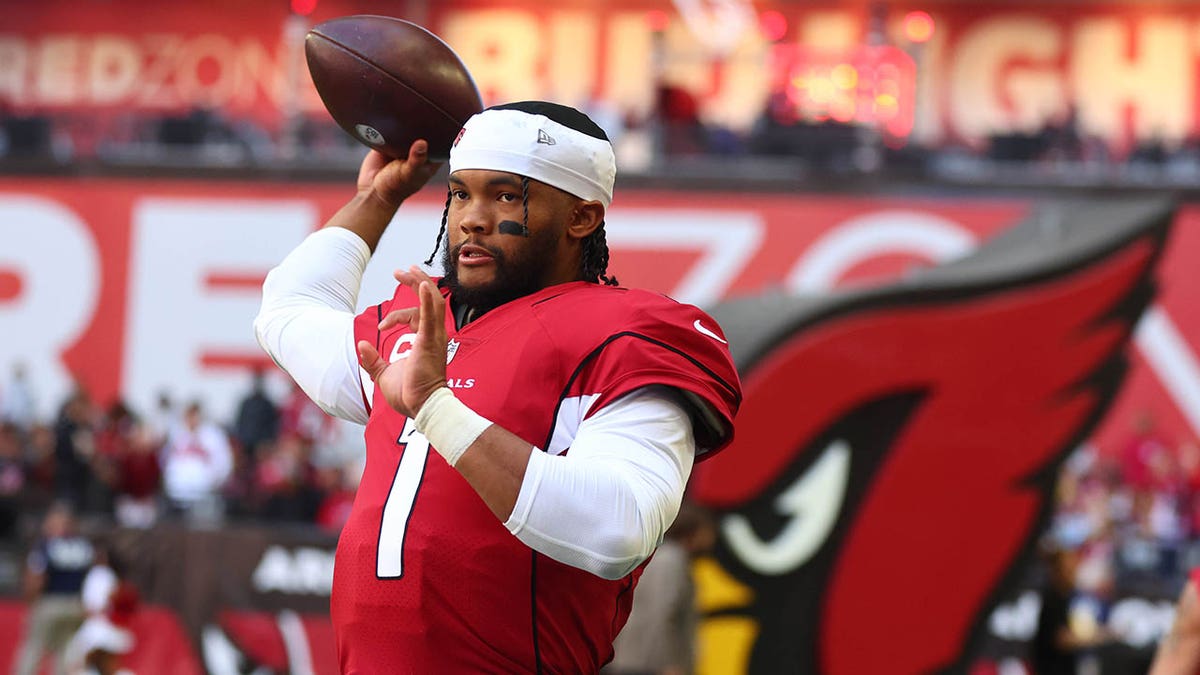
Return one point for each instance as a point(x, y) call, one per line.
point(870, 85)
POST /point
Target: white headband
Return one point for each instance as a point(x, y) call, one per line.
point(540, 148)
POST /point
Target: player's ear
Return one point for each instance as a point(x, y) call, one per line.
point(585, 218)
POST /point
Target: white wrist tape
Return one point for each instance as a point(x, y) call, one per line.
point(449, 425)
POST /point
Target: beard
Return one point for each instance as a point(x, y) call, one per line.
point(516, 276)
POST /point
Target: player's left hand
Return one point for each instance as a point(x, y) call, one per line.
point(408, 381)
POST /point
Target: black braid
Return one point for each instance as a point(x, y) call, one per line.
point(595, 258)
point(441, 232)
point(525, 204)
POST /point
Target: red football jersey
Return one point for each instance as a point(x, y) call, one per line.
point(427, 578)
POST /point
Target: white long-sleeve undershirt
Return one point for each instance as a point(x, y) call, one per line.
point(602, 507)
point(605, 505)
point(306, 322)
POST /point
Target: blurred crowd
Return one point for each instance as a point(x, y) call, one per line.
point(674, 129)
point(281, 461)
point(1126, 524)
point(1131, 515)
point(195, 138)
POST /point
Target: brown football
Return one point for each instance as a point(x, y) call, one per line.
point(389, 82)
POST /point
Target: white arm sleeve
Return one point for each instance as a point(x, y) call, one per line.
point(98, 586)
point(605, 505)
point(306, 323)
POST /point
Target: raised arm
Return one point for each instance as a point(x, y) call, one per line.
point(306, 322)
point(383, 184)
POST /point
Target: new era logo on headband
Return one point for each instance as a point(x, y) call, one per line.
point(531, 144)
point(458, 137)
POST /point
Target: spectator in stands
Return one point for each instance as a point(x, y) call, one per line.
point(39, 460)
point(1060, 637)
point(1148, 544)
point(1141, 451)
point(1165, 521)
point(116, 431)
point(1081, 510)
point(54, 576)
point(660, 636)
point(339, 467)
point(74, 445)
point(337, 489)
point(285, 481)
point(257, 418)
point(114, 436)
point(1064, 140)
point(17, 405)
point(161, 418)
point(196, 462)
point(340, 445)
point(678, 114)
point(12, 479)
point(1189, 468)
point(304, 419)
point(139, 480)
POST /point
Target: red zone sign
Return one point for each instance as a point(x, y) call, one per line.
point(137, 287)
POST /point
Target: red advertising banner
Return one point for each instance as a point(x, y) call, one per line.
point(1117, 72)
point(140, 287)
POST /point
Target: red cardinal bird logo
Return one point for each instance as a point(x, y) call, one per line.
point(897, 447)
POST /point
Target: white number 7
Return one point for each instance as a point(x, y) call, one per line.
point(389, 560)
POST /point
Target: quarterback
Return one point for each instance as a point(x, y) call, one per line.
point(530, 424)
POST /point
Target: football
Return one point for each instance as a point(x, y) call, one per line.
point(389, 82)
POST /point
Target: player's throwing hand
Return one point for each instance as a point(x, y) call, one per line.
point(394, 180)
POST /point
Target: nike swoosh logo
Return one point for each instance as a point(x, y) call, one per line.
point(700, 327)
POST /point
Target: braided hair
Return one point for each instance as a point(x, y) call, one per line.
point(595, 258)
point(525, 205)
point(442, 231)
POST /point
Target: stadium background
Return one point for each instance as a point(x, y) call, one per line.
point(158, 159)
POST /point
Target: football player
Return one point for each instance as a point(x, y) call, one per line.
point(530, 424)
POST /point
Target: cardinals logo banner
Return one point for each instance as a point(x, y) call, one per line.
point(897, 447)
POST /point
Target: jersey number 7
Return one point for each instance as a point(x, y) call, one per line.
point(389, 556)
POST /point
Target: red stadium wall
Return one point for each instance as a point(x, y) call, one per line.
point(245, 595)
point(138, 287)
